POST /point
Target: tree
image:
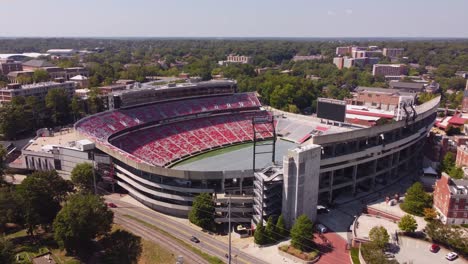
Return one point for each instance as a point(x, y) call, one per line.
point(7, 253)
point(83, 218)
point(260, 237)
point(58, 104)
point(408, 223)
point(40, 195)
point(24, 79)
point(416, 199)
point(82, 176)
point(202, 213)
point(302, 233)
point(379, 236)
point(40, 75)
point(3, 154)
point(122, 247)
point(281, 229)
point(76, 107)
point(456, 173)
point(10, 209)
point(270, 230)
point(430, 214)
point(447, 162)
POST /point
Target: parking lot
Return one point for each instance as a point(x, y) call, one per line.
point(416, 251)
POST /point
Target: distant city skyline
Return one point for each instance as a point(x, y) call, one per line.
point(241, 18)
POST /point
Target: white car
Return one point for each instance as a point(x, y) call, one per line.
point(451, 256)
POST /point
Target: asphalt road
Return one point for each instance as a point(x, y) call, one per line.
point(156, 237)
point(181, 231)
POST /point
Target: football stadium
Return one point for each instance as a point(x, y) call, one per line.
point(171, 142)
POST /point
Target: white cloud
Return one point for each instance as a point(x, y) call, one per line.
point(331, 13)
point(349, 11)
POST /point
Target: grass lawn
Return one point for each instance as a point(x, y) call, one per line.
point(212, 153)
point(26, 248)
point(355, 255)
point(208, 257)
point(152, 252)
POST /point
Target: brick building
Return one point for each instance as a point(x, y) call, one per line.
point(465, 99)
point(393, 52)
point(389, 69)
point(38, 90)
point(451, 200)
point(381, 98)
point(462, 156)
point(33, 65)
point(9, 65)
point(239, 59)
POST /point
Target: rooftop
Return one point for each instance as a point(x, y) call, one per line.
point(36, 85)
point(146, 87)
point(38, 63)
point(64, 138)
point(379, 90)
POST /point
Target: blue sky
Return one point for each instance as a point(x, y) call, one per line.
point(239, 18)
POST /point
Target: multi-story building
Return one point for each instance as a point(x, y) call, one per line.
point(451, 200)
point(342, 51)
point(381, 98)
point(339, 62)
point(9, 65)
point(347, 62)
point(393, 52)
point(239, 59)
point(389, 69)
point(310, 57)
point(465, 99)
point(33, 65)
point(60, 151)
point(74, 71)
point(408, 87)
point(14, 76)
point(39, 90)
point(462, 156)
point(62, 53)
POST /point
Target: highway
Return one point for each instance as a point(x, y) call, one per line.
point(179, 230)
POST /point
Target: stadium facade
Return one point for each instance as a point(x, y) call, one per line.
point(153, 128)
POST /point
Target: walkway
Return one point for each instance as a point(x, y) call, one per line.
point(333, 248)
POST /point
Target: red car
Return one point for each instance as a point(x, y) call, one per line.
point(112, 205)
point(434, 248)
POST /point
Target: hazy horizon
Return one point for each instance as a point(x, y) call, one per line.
point(239, 19)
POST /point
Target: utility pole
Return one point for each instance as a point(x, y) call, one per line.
point(229, 215)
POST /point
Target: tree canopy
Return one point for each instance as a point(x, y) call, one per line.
point(302, 233)
point(83, 217)
point(82, 176)
point(260, 236)
point(408, 223)
point(379, 236)
point(416, 199)
point(40, 195)
point(122, 247)
point(202, 213)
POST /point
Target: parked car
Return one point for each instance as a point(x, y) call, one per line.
point(322, 209)
point(194, 239)
point(321, 228)
point(112, 205)
point(434, 248)
point(451, 256)
point(389, 255)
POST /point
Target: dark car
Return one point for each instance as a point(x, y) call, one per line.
point(434, 248)
point(194, 239)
